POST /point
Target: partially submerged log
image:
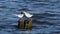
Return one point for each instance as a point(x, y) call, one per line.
point(28, 24)
point(21, 23)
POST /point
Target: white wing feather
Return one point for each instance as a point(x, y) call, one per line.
point(19, 15)
point(27, 14)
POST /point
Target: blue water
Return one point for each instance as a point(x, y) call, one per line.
point(46, 19)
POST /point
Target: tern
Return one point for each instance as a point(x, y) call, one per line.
point(19, 15)
point(28, 15)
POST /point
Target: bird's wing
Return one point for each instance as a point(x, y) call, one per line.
point(19, 15)
point(27, 14)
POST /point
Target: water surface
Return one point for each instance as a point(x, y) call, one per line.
point(46, 19)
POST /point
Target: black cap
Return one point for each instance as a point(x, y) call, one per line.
point(22, 13)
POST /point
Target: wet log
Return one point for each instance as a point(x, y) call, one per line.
point(21, 23)
point(28, 24)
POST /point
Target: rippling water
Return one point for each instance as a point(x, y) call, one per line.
point(46, 19)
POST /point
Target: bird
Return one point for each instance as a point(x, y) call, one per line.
point(19, 15)
point(20, 21)
point(28, 15)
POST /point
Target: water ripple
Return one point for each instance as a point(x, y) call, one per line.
point(46, 19)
